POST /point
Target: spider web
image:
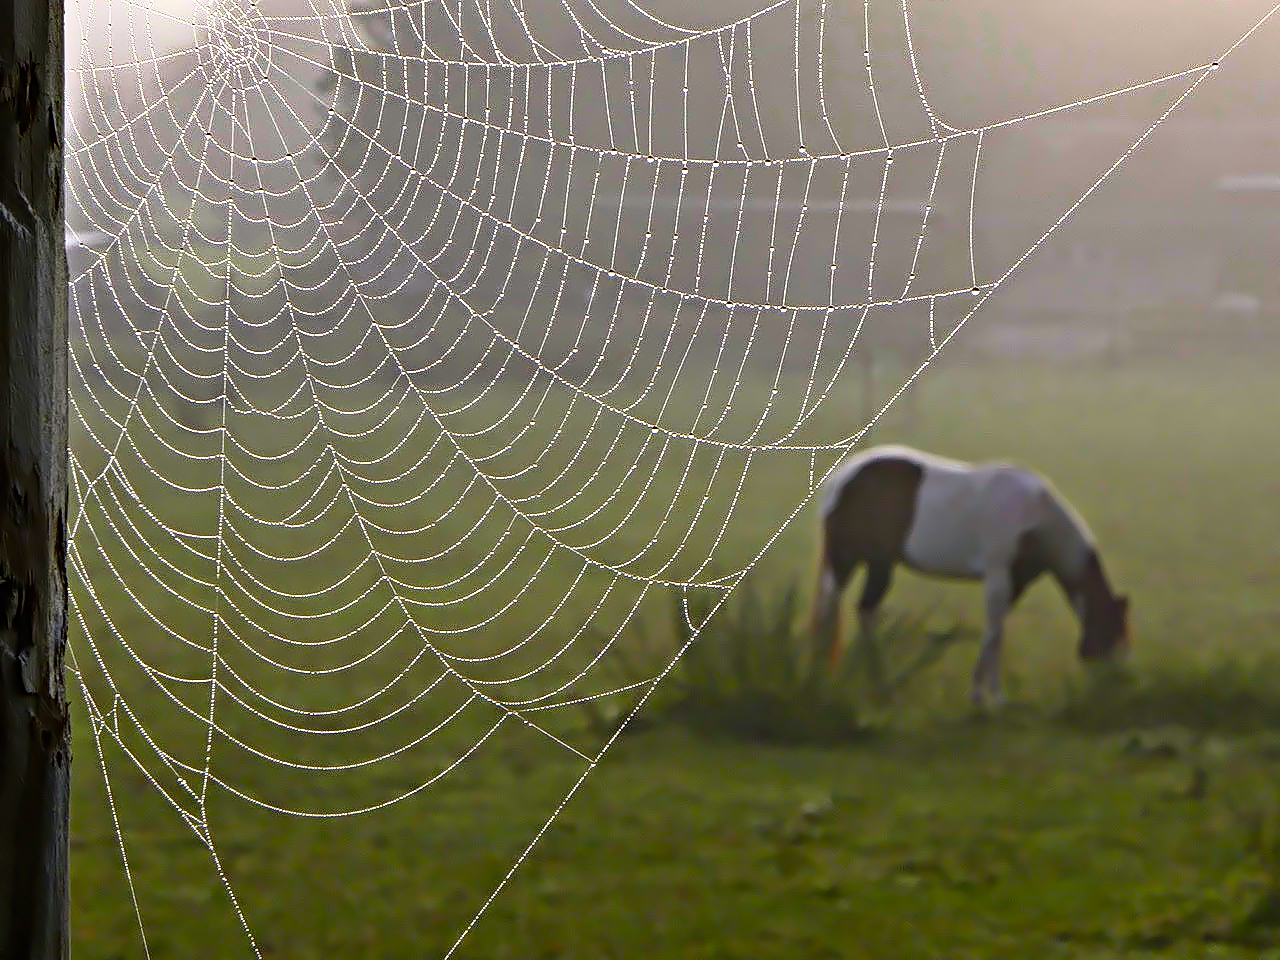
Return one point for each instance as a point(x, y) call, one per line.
point(420, 348)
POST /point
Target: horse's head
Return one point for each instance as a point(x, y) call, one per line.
point(1105, 633)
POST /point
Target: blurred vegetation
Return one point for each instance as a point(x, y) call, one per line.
point(750, 671)
point(1229, 695)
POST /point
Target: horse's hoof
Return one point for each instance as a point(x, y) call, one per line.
point(986, 704)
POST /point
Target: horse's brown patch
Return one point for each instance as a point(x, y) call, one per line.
point(1105, 619)
point(1030, 562)
point(870, 520)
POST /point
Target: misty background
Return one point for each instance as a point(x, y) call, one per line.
point(1159, 257)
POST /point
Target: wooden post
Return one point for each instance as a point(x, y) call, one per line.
point(35, 742)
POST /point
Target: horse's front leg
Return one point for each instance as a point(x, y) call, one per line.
point(998, 588)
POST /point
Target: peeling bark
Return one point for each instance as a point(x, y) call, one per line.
point(35, 744)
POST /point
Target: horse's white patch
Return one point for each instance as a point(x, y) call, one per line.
point(829, 585)
point(969, 519)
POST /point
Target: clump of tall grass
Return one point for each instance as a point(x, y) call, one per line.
point(751, 671)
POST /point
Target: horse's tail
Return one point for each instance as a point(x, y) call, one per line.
point(825, 620)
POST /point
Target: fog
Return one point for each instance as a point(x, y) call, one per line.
point(1062, 91)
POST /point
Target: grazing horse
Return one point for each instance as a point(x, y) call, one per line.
point(996, 523)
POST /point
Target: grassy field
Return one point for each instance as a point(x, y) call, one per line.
point(1085, 822)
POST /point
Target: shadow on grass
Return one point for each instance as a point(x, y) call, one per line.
point(1229, 697)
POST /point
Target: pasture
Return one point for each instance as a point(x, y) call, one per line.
point(1090, 821)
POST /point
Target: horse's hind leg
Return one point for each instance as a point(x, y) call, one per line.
point(999, 589)
point(826, 614)
point(879, 578)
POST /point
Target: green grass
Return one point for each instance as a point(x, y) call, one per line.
point(1095, 818)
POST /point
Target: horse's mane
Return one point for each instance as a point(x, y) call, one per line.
point(1065, 511)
